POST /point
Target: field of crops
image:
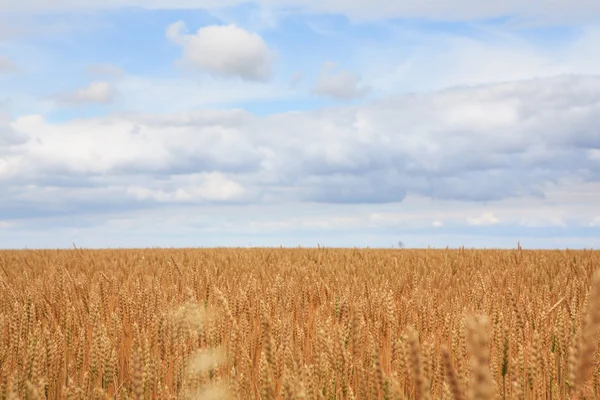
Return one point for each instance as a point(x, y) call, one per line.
point(299, 324)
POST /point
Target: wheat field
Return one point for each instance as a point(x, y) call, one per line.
point(299, 324)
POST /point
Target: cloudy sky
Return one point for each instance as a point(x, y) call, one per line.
point(296, 122)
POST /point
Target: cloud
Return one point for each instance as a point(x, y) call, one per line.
point(176, 32)
point(340, 85)
point(7, 65)
point(437, 224)
point(474, 58)
point(594, 154)
point(537, 10)
point(485, 144)
point(487, 218)
point(211, 224)
point(198, 188)
point(8, 135)
point(225, 50)
point(180, 94)
point(296, 78)
point(95, 92)
point(106, 69)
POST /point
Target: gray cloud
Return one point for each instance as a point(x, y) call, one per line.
point(487, 143)
point(105, 69)
point(374, 187)
point(7, 65)
point(341, 85)
point(10, 137)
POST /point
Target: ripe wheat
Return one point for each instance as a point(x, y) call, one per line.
point(299, 324)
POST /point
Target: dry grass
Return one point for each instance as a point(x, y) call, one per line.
point(299, 324)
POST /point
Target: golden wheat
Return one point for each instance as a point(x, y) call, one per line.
point(299, 324)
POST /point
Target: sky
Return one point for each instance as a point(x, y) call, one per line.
point(129, 123)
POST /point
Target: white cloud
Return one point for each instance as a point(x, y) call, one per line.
point(214, 187)
point(486, 218)
point(437, 224)
point(8, 135)
point(197, 188)
point(5, 224)
point(218, 188)
point(487, 144)
point(537, 10)
point(341, 85)
point(225, 50)
point(176, 32)
point(95, 92)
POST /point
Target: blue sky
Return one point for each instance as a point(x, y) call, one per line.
point(129, 123)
